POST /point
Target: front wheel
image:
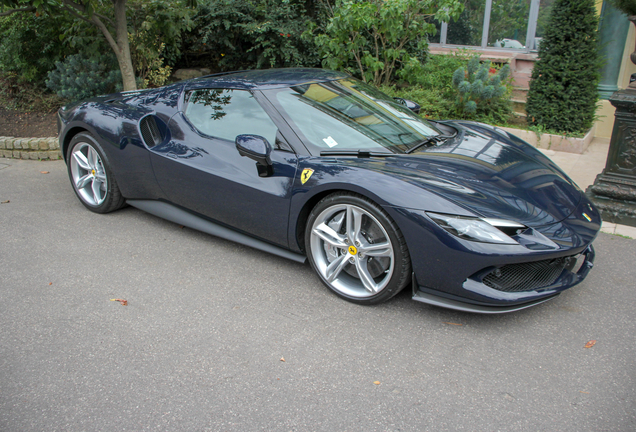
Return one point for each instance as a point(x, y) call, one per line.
point(356, 249)
point(90, 175)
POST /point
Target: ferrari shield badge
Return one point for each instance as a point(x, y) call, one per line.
point(307, 172)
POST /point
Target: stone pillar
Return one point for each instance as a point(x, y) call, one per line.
point(614, 190)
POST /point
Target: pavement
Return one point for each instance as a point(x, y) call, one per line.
point(220, 337)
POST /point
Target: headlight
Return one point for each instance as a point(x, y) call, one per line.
point(481, 230)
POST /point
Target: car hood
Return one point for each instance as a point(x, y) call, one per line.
point(491, 174)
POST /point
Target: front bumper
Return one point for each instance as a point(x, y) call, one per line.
point(568, 277)
point(449, 271)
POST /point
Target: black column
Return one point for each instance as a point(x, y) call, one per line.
point(614, 190)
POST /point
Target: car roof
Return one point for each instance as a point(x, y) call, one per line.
point(265, 78)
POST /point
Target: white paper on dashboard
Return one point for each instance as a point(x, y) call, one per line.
point(330, 141)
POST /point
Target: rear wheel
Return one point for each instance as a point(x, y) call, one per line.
point(356, 249)
point(90, 175)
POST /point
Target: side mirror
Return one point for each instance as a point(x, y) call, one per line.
point(409, 104)
point(256, 148)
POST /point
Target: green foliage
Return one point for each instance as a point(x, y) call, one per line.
point(155, 35)
point(627, 6)
point(78, 78)
point(30, 45)
point(563, 91)
point(479, 88)
point(436, 91)
point(433, 91)
point(434, 88)
point(147, 60)
point(246, 34)
point(380, 40)
point(152, 23)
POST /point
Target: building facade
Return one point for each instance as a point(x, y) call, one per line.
point(510, 31)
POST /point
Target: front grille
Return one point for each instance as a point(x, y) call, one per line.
point(526, 276)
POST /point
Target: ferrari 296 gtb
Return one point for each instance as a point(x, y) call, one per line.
point(313, 164)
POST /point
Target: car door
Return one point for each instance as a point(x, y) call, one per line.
point(201, 170)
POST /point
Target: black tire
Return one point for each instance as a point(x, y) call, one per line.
point(377, 250)
point(91, 177)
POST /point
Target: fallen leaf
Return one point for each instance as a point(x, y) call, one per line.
point(44, 172)
point(122, 301)
point(50, 283)
point(282, 359)
point(5, 202)
point(581, 391)
point(450, 323)
point(590, 344)
point(376, 382)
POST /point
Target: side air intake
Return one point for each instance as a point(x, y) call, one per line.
point(149, 131)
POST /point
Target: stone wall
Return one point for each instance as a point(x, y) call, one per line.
point(30, 148)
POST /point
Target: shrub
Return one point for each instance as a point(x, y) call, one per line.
point(30, 45)
point(436, 94)
point(433, 90)
point(239, 34)
point(78, 78)
point(147, 60)
point(479, 87)
point(152, 23)
point(563, 91)
point(380, 40)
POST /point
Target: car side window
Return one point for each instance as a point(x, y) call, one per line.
point(223, 113)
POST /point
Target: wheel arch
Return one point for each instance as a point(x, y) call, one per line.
point(70, 133)
point(310, 203)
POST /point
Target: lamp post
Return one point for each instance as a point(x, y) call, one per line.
point(614, 190)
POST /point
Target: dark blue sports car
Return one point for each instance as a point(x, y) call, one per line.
point(313, 164)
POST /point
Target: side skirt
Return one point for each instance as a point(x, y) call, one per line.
point(182, 217)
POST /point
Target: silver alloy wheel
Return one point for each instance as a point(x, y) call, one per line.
point(88, 174)
point(352, 251)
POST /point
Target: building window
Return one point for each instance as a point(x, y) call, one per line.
point(499, 24)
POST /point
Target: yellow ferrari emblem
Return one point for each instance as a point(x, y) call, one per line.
point(307, 172)
point(353, 250)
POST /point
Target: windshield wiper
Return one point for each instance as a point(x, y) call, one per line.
point(356, 153)
point(430, 140)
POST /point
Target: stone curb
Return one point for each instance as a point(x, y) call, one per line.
point(554, 142)
point(30, 148)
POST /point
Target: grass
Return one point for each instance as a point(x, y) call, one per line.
point(624, 236)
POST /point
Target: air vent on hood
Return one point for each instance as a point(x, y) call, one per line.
point(149, 131)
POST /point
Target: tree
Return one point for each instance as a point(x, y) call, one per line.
point(563, 91)
point(108, 16)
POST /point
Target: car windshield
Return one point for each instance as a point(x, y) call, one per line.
point(350, 115)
